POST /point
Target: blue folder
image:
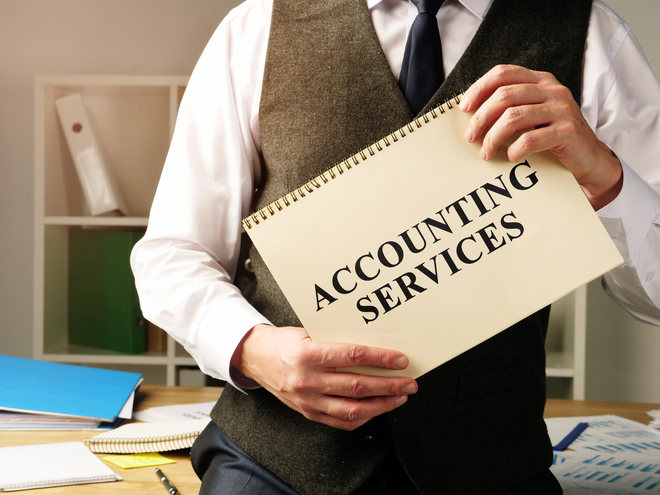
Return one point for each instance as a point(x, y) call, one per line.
point(28, 385)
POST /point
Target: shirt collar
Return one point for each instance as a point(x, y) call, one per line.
point(477, 7)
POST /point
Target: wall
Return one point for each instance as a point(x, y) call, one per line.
point(622, 353)
point(166, 37)
point(72, 37)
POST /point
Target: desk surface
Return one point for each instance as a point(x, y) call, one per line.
point(145, 482)
point(142, 481)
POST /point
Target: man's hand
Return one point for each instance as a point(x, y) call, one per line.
point(511, 100)
point(302, 374)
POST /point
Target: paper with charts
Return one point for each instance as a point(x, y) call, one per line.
point(416, 244)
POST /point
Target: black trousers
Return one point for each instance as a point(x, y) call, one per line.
point(225, 469)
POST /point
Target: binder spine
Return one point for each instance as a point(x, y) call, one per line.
point(340, 168)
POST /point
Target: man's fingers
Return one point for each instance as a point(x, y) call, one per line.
point(502, 101)
point(348, 414)
point(516, 119)
point(362, 386)
point(500, 75)
point(349, 355)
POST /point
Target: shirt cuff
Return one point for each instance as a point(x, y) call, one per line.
point(628, 217)
point(220, 333)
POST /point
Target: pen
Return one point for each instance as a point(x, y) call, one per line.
point(170, 487)
point(574, 433)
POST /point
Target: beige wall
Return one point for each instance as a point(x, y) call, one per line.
point(622, 353)
point(166, 37)
point(72, 37)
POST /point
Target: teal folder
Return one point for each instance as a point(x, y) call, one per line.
point(34, 386)
point(104, 310)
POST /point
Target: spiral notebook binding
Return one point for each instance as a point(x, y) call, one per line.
point(342, 167)
point(143, 444)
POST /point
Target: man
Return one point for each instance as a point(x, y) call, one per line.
point(274, 100)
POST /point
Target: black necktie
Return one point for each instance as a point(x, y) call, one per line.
point(421, 71)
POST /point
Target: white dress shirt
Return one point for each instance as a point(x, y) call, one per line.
point(185, 263)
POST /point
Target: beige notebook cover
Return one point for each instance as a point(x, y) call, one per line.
point(416, 244)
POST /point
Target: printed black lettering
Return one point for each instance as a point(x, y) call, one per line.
point(322, 295)
point(367, 308)
point(398, 252)
point(385, 298)
point(410, 285)
point(460, 251)
point(433, 275)
point(450, 262)
point(487, 234)
point(432, 223)
point(493, 189)
point(509, 225)
point(459, 210)
point(515, 182)
point(411, 245)
point(360, 272)
point(338, 287)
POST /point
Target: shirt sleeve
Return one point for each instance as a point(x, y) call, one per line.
point(185, 263)
point(622, 103)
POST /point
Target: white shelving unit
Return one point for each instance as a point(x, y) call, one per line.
point(566, 346)
point(133, 117)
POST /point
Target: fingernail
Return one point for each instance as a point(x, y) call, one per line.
point(401, 400)
point(482, 154)
point(401, 363)
point(469, 134)
point(410, 388)
point(464, 104)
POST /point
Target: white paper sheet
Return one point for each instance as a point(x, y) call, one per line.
point(616, 474)
point(199, 410)
point(55, 464)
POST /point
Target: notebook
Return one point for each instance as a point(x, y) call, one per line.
point(160, 436)
point(57, 464)
point(416, 244)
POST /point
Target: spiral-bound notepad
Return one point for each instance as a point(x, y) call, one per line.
point(416, 244)
point(159, 436)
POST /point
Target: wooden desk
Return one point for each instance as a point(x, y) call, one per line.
point(143, 481)
point(631, 410)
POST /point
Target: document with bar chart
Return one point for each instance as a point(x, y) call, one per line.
point(612, 456)
point(610, 474)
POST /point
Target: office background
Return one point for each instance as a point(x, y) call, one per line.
point(166, 37)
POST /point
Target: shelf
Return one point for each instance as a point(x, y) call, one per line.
point(559, 365)
point(71, 354)
point(118, 359)
point(565, 345)
point(98, 221)
point(133, 120)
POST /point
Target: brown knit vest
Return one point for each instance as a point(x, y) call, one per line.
point(476, 424)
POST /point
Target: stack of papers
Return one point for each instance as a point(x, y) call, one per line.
point(612, 455)
point(655, 414)
point(197, 410)
point(613, 434)
point(30, 421)
point(44, 395)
